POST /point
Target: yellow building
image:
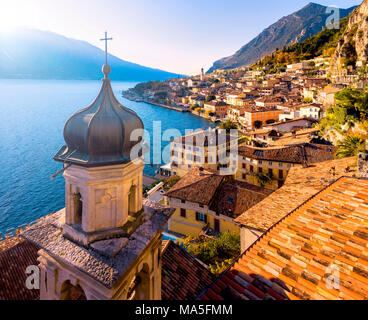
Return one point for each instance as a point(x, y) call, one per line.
point(235, 112)
point(205, 201)
point(200, 149)
point(218, 108)
point(236, 98)
point(184, 100)
point(269, 167)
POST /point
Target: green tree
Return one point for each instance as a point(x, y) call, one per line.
point(354, 101)
point(210, 98)
point(263, 178)
point(340, 114)
point(307, 100)
point(170, 182)
point(350, 147)
point(218, 252)
point(227, 125)
point(258, 124)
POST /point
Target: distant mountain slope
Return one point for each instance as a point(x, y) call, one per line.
point(324, 43)
point(290, 29)
point(34, 54)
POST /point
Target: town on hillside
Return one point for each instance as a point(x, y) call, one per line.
point(301, 117)
point(270, 203)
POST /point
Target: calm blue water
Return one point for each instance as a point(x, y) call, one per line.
point(32, 117)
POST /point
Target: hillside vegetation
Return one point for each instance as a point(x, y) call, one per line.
point(346, 123)
point(290, 29)
point(323, 43)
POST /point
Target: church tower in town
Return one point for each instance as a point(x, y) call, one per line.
point(106, 243)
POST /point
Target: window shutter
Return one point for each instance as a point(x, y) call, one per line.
point(205, 218)
point(197, 216)
point(183, 213)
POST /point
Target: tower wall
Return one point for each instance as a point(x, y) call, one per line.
point(107, 196)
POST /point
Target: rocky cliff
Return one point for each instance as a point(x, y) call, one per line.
point(353, 46)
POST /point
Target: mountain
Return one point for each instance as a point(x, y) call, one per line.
point(353, 46)
point(288, 30)
point(323, 43)
point(34, 54)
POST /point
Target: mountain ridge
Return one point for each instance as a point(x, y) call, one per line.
point(34, 54)
point(292, 28)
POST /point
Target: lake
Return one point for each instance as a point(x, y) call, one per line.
point(32, 118)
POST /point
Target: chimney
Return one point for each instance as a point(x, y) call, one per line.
point(363, 163)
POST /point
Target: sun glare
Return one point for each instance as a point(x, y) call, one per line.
point(13, 14)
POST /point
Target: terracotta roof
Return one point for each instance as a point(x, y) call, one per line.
point(326, 236)
point(13, 264)
point(216, 103)
point(196, 187)
point(235, 197)
point(253, 109)
point(183, 276)
point(261, 132)
point(306, 153)
point(180, 271)
point(301, 136)
point(331, 90)
point(310, 105)
point(291, 120)
point(301, 183)
point(205, 138)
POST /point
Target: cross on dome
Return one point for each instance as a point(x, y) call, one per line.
point(106, 39)
point(106, 68)
point(100, 134)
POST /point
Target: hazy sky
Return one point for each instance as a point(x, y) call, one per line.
point(175, 35)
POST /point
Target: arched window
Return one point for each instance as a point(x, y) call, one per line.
point(139, 288)
point(70, 292)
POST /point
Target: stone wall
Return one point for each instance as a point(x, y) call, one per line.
point(363, 165)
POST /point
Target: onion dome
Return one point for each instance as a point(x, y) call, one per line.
point(100, 134)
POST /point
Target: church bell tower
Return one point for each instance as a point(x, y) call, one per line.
point(106, 243)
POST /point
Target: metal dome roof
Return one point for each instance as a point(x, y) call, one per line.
point(100, 134)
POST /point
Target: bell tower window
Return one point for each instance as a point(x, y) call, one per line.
point(132, 203)
point(141, 285)
point(70, 292)
point(78, 208)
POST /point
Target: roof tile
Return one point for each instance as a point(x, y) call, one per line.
point(183, 276)
point(298, 259)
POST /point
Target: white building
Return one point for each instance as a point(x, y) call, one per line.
point(311, 111)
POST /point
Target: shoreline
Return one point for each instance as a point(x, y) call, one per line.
point(140, 100)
